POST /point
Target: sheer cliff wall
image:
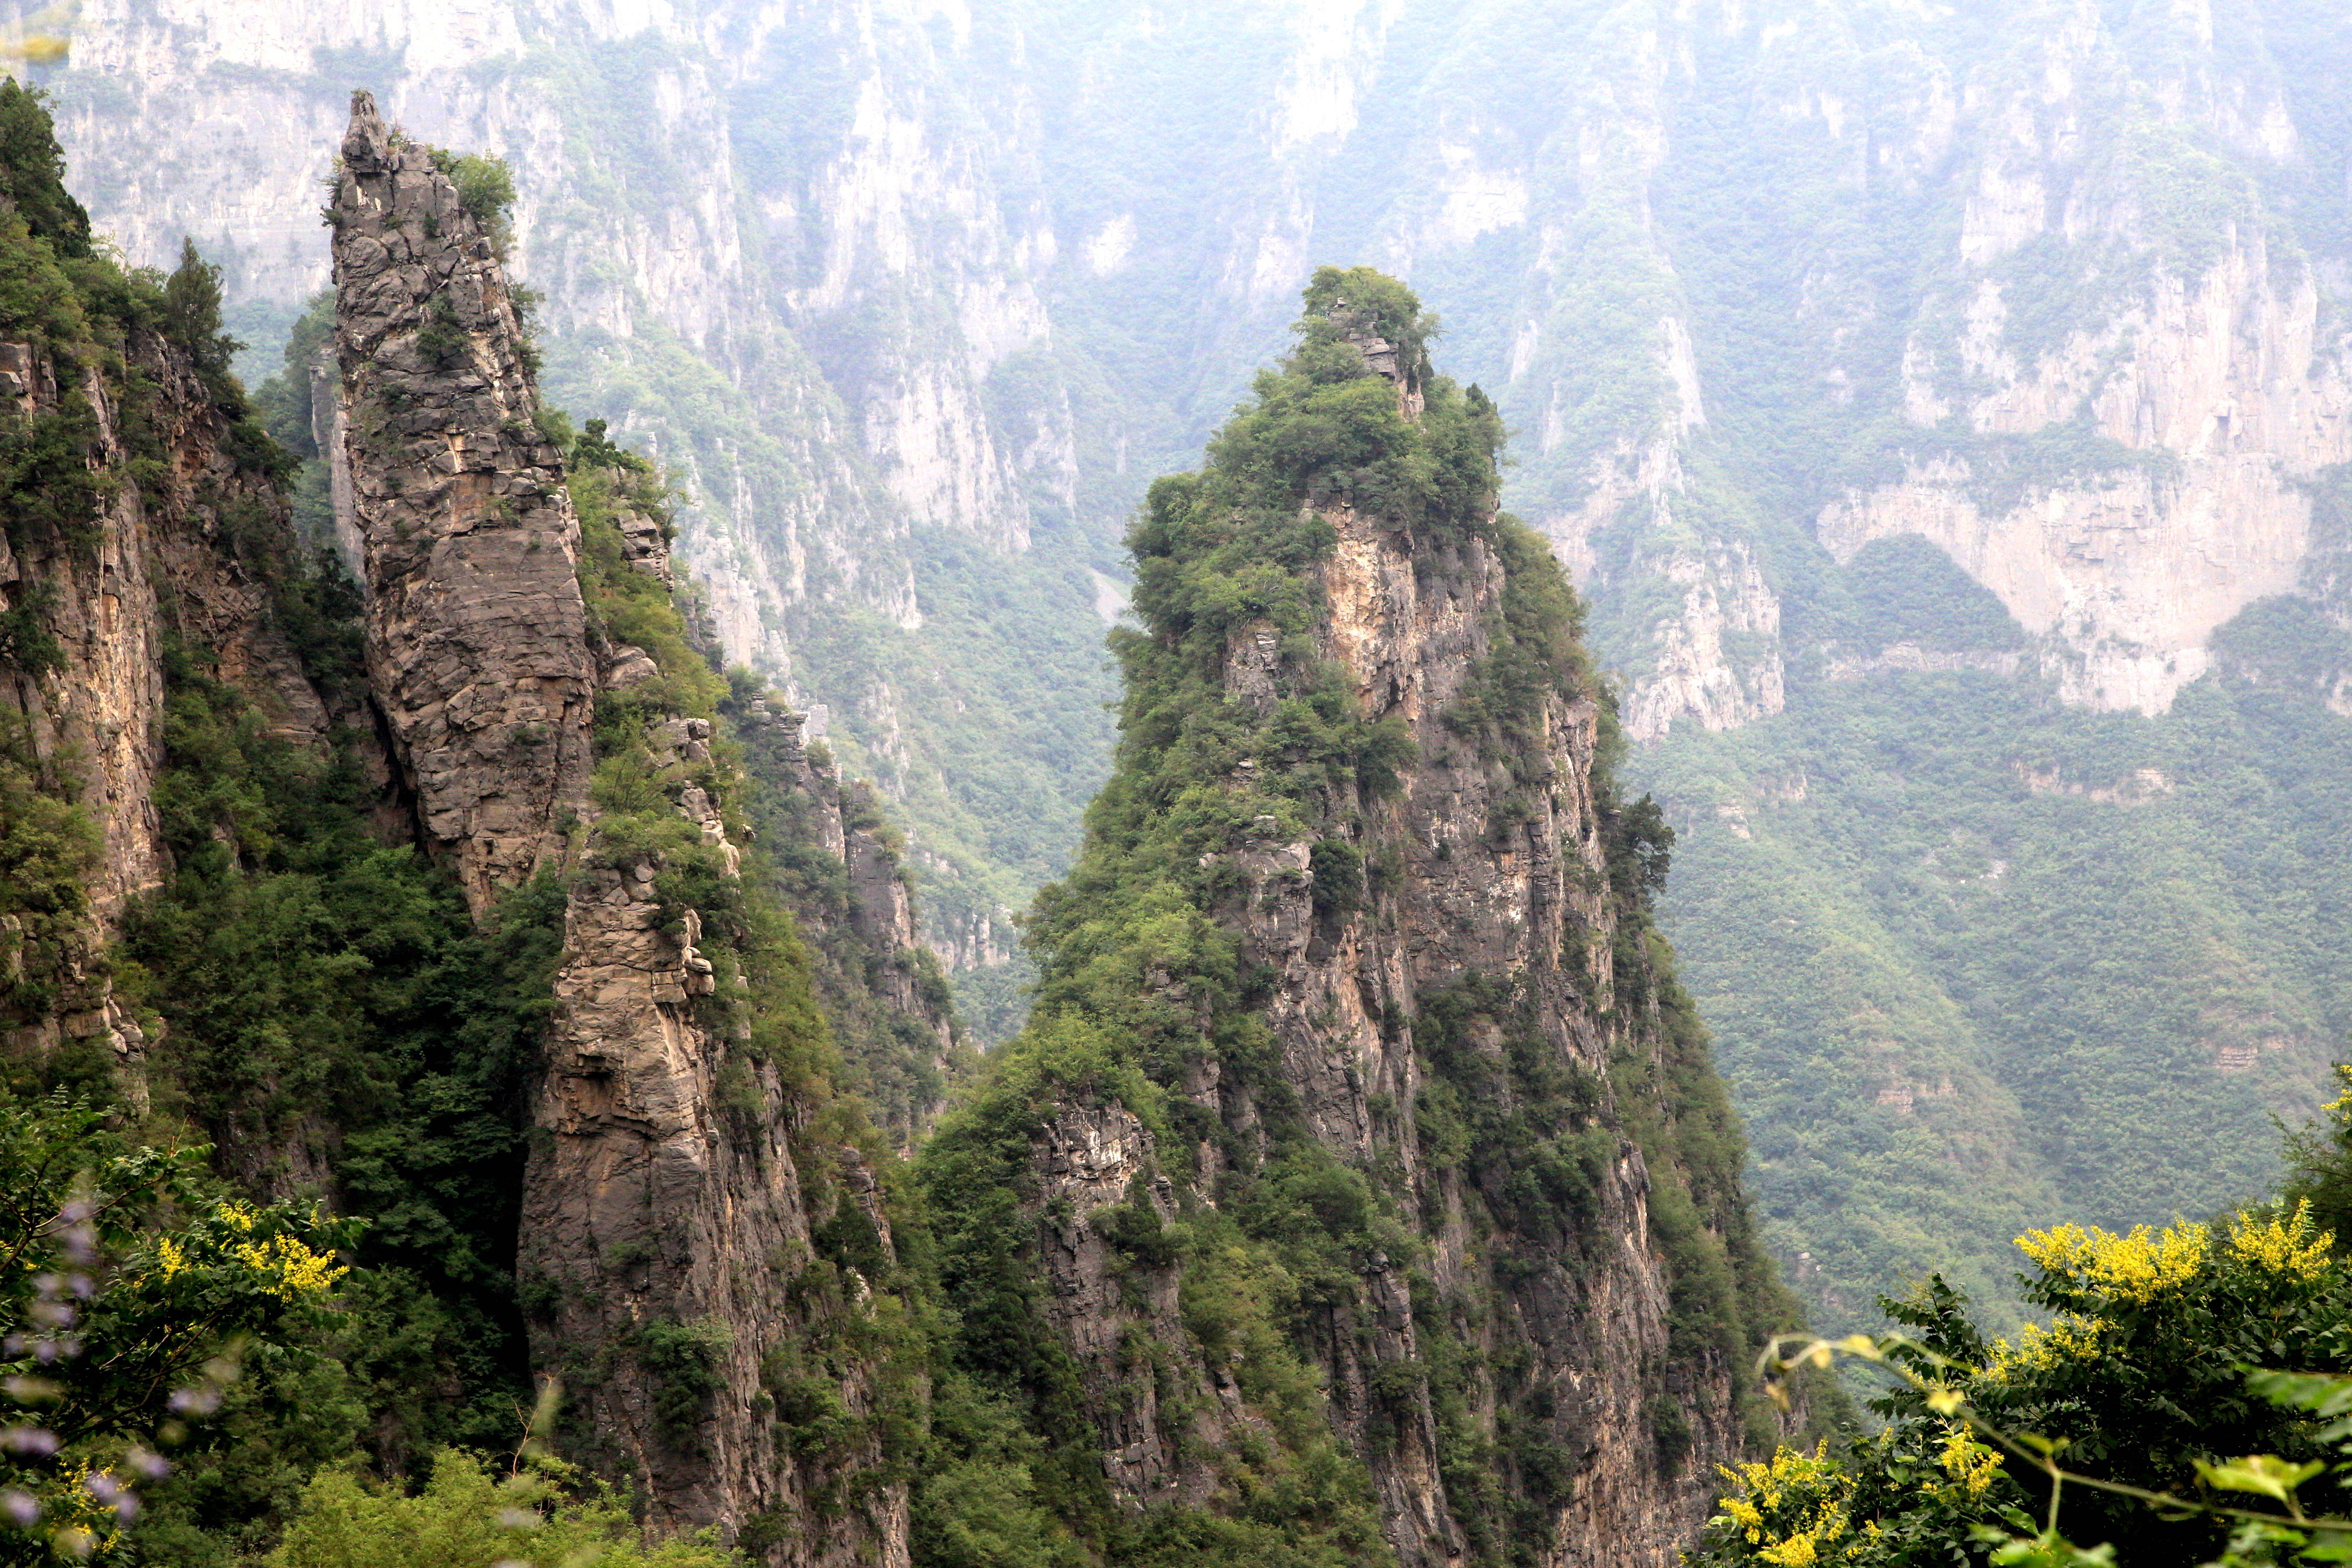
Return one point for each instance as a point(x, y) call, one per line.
point(680, 1164)
point(1363, 908)
point(143, 524)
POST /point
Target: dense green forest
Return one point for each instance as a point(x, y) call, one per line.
point(2084, 959)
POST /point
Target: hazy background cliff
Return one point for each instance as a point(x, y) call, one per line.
point(1944, 409)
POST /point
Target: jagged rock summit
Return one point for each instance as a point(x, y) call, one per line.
point(677, 1170)
point(478, 642)
point(1361, 907)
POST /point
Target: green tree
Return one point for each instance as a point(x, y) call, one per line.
point(192, 316)
point(2124, 1419)
point(467, 1516)
point(133, 1288)
point(33, 172)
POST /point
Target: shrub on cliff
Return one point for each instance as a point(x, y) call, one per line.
point(468, 1516)
point(135, 1291)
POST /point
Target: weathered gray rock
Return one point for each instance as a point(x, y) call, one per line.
point(669, 1196)
point(477, 640)
point(1495, 868)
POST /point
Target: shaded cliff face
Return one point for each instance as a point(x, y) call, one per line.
point(145, 518)
point(1354, 985)
point(840, 866)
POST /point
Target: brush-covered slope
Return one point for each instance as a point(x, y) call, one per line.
point(1360, 1189)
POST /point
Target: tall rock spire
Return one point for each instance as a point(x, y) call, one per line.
point(678, 1190)
point(476, 638)
point(1353, 994)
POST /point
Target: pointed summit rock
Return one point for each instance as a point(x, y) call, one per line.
point(1374, 1163)
point(478, 642)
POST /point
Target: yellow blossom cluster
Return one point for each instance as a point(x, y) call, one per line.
point(2292, 1246)
point(1794, 1508)
point(2039, 1349)
point(171, 1255)
point(296, 1270)
point(2133, 1268)
point(2340, 1107)
point(1972, 1465)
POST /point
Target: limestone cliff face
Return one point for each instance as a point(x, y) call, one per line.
point(2114, 345)
point(1479, 894)
point(2224, 398)
point(477, 643)
point(1450, 938)
point(155, 562)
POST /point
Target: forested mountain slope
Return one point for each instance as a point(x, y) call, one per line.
point(1943, 410)
point(1361, 1176)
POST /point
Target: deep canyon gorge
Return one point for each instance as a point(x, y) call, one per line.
point(923, 1088)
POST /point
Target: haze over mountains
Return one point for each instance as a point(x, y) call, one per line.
point(1943, 409)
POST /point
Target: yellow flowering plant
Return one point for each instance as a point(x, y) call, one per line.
point(133, 1293)
point(2132, 1403)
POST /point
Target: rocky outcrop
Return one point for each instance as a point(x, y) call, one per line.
point(478, 641)
point(1449, 938)
point(1113, 1311)
point(1503, 893)
point(90, 603)
point(1717, 661)
point(671, 1191)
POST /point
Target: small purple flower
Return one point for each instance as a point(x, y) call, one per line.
point(81, 1284)
point(28, 1440)
point(155, 1467)
point(20, 1508)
